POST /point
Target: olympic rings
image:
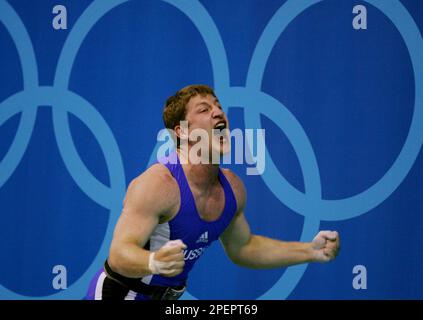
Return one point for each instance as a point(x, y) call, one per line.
point(309, 204)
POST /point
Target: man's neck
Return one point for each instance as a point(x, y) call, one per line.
point(201, 176)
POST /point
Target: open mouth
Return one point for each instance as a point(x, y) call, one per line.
point(218, 130)
point(220, 126)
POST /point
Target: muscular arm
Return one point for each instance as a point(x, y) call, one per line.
point(149, 198)
point(259, 252)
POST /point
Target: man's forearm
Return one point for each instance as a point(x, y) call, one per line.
point(130, 261)
point(265, 253)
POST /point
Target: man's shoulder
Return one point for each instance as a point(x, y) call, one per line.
point(157, 175)
point(158, 182)
point(232, 177)
point(237, 186)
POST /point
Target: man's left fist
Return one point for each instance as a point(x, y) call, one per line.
point(325, 246)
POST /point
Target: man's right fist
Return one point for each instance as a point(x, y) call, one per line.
point(168, 261)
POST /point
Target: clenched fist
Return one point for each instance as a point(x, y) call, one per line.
point(168, 261)
point(325, 246)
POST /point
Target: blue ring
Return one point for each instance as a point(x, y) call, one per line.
point(333, 210)
point(92, 119)
point(307, 204)
point(23, 44)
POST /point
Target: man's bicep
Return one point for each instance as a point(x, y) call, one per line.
point(237, 234)
point(142, 209)
point(134, 227)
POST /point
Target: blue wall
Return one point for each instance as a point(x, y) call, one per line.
point(343, 112)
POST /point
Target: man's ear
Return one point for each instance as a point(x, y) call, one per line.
point(181, 130)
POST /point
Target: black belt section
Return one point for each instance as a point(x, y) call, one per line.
point(135, 284)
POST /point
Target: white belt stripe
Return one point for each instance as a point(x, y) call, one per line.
point(99, 286)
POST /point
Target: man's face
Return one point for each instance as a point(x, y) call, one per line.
point(205, 112)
